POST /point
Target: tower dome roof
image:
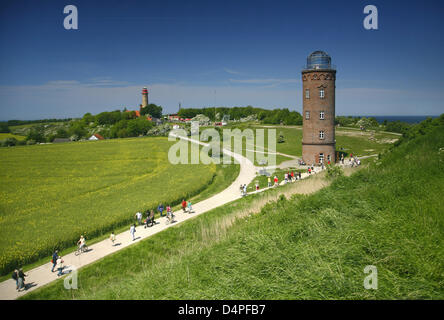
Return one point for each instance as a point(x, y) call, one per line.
point(318, 60)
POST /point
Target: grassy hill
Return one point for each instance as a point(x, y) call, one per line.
point(53, 193)
point(306, 247)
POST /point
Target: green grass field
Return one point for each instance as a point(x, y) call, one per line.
point(307, 247)
point(351, 141)
point(53, 193)
point(4, 136)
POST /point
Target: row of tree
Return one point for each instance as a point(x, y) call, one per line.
point(276, 116)
point(112, 117)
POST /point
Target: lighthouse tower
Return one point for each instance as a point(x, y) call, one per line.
point(318, 100)
point(144, 97)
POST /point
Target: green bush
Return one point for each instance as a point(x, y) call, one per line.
point(334, 172)
point(4, 128)
point(9, 142)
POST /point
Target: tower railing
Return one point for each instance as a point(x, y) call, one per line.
point(319, 67)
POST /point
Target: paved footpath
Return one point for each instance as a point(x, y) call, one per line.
point(42, 275)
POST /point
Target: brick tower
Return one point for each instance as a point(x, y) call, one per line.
point(144, 97)
point(318, 101)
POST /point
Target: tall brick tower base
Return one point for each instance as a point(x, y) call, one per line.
point(318, 100)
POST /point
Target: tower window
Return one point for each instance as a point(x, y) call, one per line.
point(321, 93)
point(321, 135)
point(307, 93)
point(322, 115)
point(307, 115)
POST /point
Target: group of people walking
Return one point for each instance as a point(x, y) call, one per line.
point(149, 221)
point(19, 277)
point(57, 261)
point(289, 176)
point(353, 161)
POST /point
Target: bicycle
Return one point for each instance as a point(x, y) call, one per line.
point(81, 250)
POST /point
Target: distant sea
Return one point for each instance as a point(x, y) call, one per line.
point(408, 119)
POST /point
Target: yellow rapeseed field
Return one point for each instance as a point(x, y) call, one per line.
point(50, 194)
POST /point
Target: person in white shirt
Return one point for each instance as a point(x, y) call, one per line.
point(81, 243)
point(132, 231)
point(60, 266)
point(112, 237)
point(139, 217)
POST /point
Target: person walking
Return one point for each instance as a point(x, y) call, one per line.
point(184, 205)
point(150, 218)
point(160, 209)
point(60, 266)
point(21, 279)
point(54, 260)
point(112, 237)
point(16, 278)
point(133, 231)
point(139, 217)
point(245, 189)
point(286, 177)
point(292, 176)
point(169, 215)
point(275, 181)
point(257, 185)
point(300, 175)
point(190, 208)
point(269, 182)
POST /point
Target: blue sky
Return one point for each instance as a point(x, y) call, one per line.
point(228, 53)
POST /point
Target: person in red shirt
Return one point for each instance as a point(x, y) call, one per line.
point(184, 205)
point(275, 180)
point(292, 176)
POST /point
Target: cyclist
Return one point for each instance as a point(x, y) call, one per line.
point(81, 243)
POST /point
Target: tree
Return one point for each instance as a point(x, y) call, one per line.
point(36, 134)
point(77, 129)
point(4, 127)
point(88, 118)
point(62, 133)
point(153, 110)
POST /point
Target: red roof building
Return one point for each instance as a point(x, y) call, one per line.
point(96, 136)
